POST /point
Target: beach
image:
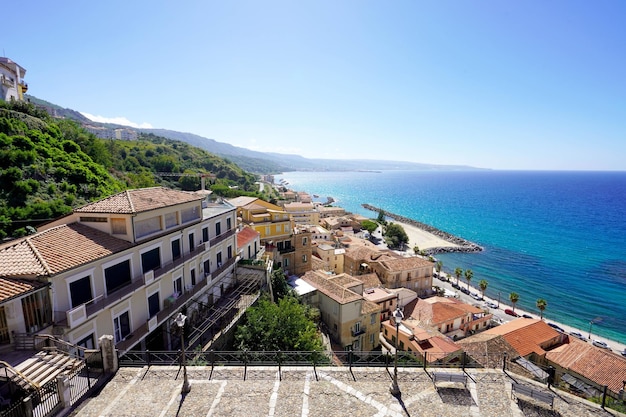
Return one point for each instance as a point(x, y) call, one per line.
point(424, 240)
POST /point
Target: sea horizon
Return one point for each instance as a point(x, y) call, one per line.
point(556, 235)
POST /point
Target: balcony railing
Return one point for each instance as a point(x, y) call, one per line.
point(359, 331)
point(225, 266)
point(221, 237)
point(81, 313)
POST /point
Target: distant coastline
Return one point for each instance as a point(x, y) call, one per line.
point(461, 245)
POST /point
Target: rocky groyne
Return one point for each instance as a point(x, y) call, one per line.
point(463, 245)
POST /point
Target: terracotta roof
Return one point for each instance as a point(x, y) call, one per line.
point(242, 201)
point(346, 281)
point(437, 310)
point(245, 236)
point(368, 307)
point(329, 288)
point(598, 365)
point(139, 200)
point(404, 264)
point(370, 280)
point(526, 335)
point(56, 250)
point(488, 350)
point(317, 263)
point(10, 288)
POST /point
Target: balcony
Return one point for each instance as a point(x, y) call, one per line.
point(24, 86)
point(358, 332)
point(81, 313)
point(222, 237)
point(223, 267)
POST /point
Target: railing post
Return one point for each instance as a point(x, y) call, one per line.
point(180, 358)
point(245, 363)
point(350, 358)
point(424, 359)
point(279, 367)
point(148, 357)
point(604, 396)
point(464, 357)
point(212, 358)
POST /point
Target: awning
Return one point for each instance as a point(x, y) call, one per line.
point(580, 385)
point(532, 368)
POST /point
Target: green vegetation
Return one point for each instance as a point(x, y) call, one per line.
point(49, 166)
point(457, 273)
point(395, 236)
point(286, 326)
point(514, 297)
point(369, 225)
point(280, 288)
point(469, 274)
point(541, 305)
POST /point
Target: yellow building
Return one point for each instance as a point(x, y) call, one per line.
point(12, 85)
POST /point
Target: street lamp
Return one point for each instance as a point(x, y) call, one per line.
point(397, 318)
point(180, 322)
point(597, 319)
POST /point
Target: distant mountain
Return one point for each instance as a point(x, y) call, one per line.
point(261, 162)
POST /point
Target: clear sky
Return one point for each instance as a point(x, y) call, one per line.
point(497, 84)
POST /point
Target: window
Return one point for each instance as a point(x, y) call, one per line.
point(355, 345)
point(118, 226)
point(286, 261)
point(219, 260)
point(408, 276)
point(80, 291)
point(171, 220)
point(401, 345)
point(372, 339)
point(205, 234)
point(228, 224)
point(305, 241)
point(86, 342)
point(218, 228)
point(4, 327)
point(229, 252)
point(148, 226)
point(176, 249)
point(373, 318)
point(153, 304)
point(150, 260)
point(178, 285)
point(303, 258)
point(207, 267)
point(249, 252)
point(190, 214)
point(117, 276)
point(121, 326)
point(357, 327)
point(192, 244)
point(193, 276)
point(267, 230)
point(37, 311)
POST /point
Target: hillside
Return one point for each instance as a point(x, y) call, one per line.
point(48, 166)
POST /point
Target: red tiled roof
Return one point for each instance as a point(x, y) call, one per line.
point(56, 250)
point(403, 264)
point(139, 200)
point(526, 335)
point(246, 235)
point(596, 364)
point(10, 288)
point(331, 289)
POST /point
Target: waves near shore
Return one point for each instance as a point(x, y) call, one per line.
point(461, 245)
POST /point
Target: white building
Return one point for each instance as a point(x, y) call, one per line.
point(12, 85)
point(123, 265)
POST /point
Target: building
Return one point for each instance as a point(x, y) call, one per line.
point(385, 299)
point(352, 321)
point(249, 243)
point(409, 272)
point(331, 256)
point(12, 85)
point(122, 266)
point(331, 211)
point(303, 213)
point(451, 317)
point(288, 246)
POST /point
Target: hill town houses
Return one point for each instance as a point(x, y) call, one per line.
point(127, 264)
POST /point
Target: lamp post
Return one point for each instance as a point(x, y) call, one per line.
point(397, 318)
point(180, 322)
point(597, 319)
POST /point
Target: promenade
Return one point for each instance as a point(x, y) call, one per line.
point(325, 392)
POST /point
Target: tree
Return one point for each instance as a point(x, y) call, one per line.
point(457, 273)
point(369, 225)
point(381, 217)
point(483, 286)
point(541, 305)
point(514, 297)
point(416, 249)
point(395, 236)
point(469, 274)
point(284, 326)
point(438, 267)
point(280, 288)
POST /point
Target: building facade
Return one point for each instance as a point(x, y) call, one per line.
point(125, 265)
point(12, 85)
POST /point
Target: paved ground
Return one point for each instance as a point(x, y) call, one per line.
point(327, 392)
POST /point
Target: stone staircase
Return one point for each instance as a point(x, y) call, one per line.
point(41, 368)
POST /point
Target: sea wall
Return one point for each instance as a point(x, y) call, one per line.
point(463, 245)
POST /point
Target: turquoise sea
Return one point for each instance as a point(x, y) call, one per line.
point(560, 236)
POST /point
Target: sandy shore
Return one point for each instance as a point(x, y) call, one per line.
point(423, 239)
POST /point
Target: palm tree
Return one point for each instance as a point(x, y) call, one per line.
point(438, 266)
point(458, 272)
point(469, 274)
point(514, 297)
point(483, 286)
point(541, 305)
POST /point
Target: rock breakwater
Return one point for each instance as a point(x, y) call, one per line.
point(463, 244)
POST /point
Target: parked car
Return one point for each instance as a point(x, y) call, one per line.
point(491, 304)
point(475, 296)
point(555, 327)
point(465, 290)
point(578, 336)
point(600, 344)
point(511, 312)
point(623, 352)
point(527, 316)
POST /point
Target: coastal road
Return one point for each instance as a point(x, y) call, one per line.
point(616, 347)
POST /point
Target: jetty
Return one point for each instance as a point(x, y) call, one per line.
point(462, 245)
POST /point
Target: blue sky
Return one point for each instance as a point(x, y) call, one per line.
point(494, 84)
